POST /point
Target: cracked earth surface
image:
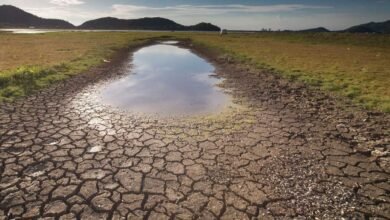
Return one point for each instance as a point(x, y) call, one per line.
point(288, 152)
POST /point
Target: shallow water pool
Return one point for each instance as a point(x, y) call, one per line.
point(166, 80)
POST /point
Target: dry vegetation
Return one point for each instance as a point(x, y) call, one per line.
point(354, 65)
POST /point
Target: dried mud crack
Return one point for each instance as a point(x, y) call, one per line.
point(289, 152)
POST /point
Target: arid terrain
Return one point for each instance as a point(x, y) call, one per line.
point(284, 150)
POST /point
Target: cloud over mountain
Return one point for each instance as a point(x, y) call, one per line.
point(66, 2)
point(212, 9)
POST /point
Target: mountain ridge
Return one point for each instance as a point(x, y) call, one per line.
point(316, 30)
point(371, 27)
point(13, 17)
point(141, 23)
point(147, 23)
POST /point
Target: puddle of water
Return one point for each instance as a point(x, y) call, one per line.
point(166, 80)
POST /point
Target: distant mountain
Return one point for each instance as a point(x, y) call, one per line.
point(372, 27)
point(110, 23)
point(311, 30)
point(204, 27)
point(155, 23)
point(12, 17)
point(315, 30)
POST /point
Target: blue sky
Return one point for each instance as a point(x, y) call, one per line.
point(230, 14)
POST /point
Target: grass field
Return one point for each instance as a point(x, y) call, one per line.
point(352, 65)
point(29, 62)
point(356, 66)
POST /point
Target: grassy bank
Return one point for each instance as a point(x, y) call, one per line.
point(352, 65)
point(30, 62)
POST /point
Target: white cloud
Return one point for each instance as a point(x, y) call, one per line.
point(66, 2)
point(188, 10)
point(233, 16)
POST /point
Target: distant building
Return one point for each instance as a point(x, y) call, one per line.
point(223, 32)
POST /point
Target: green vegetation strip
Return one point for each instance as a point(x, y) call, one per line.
point(25, 79)
point(351, 65)
point(33, 75)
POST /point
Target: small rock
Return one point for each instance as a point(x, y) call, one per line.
point(95, 149)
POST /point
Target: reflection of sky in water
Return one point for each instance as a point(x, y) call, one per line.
point(168, 80)
point(29, 31)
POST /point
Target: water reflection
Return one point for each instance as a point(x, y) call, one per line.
point(167, 80)
point(31, 31)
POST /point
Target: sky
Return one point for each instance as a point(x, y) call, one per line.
point(228, 14)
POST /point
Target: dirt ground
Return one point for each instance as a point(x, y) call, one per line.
point(283, 151)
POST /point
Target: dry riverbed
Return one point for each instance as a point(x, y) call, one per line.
point(285, 150)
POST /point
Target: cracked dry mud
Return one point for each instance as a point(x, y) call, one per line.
point(287, 152)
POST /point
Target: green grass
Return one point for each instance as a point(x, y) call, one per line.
point(26, 79)
point(343, 39)
point(351, 65)
point(53, 57)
